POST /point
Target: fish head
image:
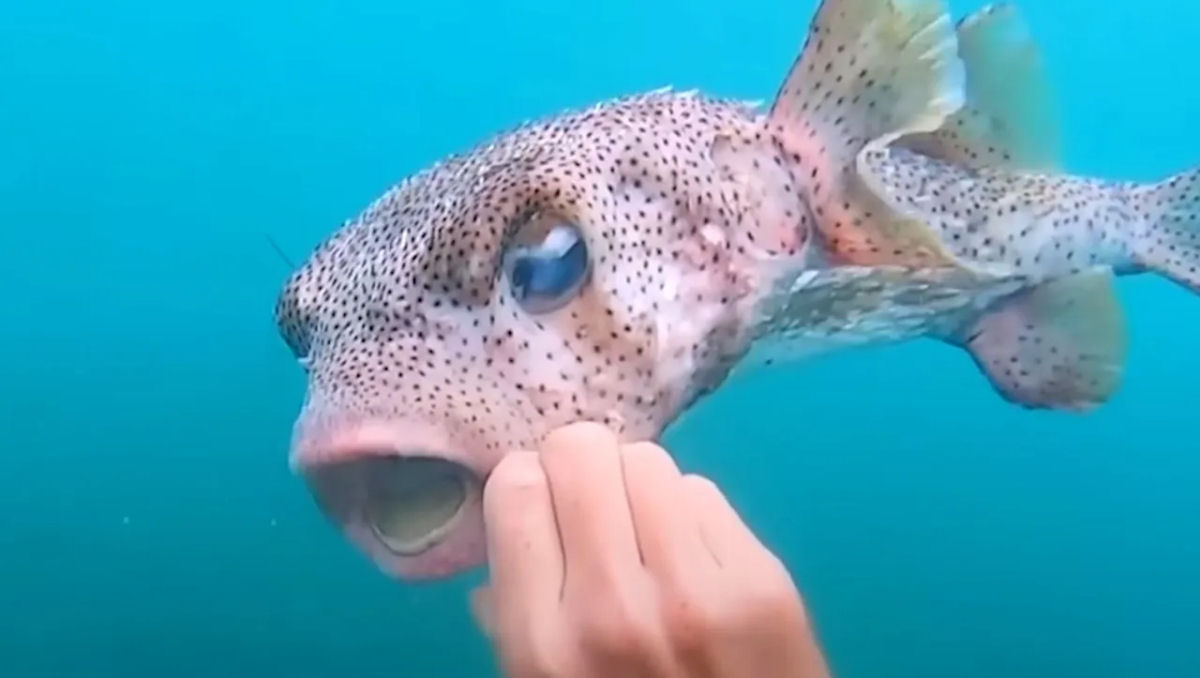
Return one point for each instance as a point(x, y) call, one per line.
point(602, 266)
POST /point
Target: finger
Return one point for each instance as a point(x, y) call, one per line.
point(524, 551)
point(482, 610)
point(667, 532)
point(583, 464)
point(728, 538)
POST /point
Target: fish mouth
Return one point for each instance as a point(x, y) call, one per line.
point(412, 503)
point(417, 514)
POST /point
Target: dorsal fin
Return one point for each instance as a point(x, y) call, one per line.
point(1009, 120)
point(870, 71)
point(871, 68)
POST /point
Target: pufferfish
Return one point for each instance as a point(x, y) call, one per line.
point(617, 263)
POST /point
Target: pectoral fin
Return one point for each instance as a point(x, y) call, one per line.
point(1060, 346)
point(812, 311)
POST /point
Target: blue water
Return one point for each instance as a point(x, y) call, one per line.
point(149, 525)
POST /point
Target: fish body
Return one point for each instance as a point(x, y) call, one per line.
point(617, 263)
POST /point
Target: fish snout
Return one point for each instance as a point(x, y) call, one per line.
point(403, 492)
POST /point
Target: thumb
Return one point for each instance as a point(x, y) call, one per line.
point(481, 609)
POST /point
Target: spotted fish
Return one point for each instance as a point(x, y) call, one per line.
point(617, 263)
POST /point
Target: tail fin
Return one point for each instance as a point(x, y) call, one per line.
point(1170, 242)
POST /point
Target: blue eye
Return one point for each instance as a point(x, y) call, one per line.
point(545, 277)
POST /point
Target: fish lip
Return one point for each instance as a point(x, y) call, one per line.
point(335, 462)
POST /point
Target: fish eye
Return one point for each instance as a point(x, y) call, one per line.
point(545, 276)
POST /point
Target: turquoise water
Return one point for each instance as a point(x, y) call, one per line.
point(148, 523)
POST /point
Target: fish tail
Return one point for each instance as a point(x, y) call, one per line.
point(1169, 242)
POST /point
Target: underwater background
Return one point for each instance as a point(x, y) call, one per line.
point(148, 522)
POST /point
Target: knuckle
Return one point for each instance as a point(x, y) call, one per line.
point(610, 634)
point(534, 653)
point(767, 604)
point(617, 631)
point(691, 625)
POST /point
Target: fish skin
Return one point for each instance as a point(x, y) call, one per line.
point(989, 183)
point(720, 237)
point(413, 342)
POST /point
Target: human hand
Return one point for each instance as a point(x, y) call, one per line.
point(607, 562)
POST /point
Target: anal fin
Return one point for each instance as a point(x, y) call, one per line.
point(1059, 346)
